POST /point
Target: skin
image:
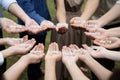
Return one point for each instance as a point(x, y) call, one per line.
point(106, 18)
point(115, 42)
point(101, 52)
point(101, 72)
point(70, 62)
point(18, 49)
point(52, 57)
point(16, 70)
point(6, 23)
point(89, 8)
point(13, 41)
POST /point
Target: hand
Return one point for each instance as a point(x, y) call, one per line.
point(96, 51)
point(92, 25)
point(24, 47)
point(99, 33)
point(33, 27)
point(47, 24)
point(77, 22)
point(69, 55)
point(110, 42)
point(16, 41)
point(11, 27)
point(62, 27)
point(53, 53)
point(35, 55)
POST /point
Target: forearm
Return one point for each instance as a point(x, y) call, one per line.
point(2, 41)
point(61, 13)
point(112, 14)
point(7, 52)
point(101, 72)
point(75, 72)
point(18, 12)
point(61, 17)
point(15, 71)
point(89, 9)
point(114, 32)
point(113, 55)
point(50, 70)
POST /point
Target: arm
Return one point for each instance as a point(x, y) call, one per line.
point(112, 55)
point(114, 32)
point(18, 49)
point(85, 56)
point(108, 17)
point(53, 55)
point(50, 73)
point(101, 72)
point(61, 13)
point(16, 10)
point(15, 71)
point(75, 71)
point(89, 9)
point(69, 59)
point(30, 11)
point(2, 41)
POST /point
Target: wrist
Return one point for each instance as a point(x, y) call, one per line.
point(25, 59)
point(69, 62)
point(87, 59)
point(8, 52)
point(50, 60)
point(101, 22)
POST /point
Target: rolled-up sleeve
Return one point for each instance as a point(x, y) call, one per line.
point(28, 7)
point(1, 59)
point(118, 2)
point(6, 3)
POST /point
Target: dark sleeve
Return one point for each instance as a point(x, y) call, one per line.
point(29, 9)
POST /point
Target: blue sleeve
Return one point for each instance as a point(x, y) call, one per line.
point(28, 7)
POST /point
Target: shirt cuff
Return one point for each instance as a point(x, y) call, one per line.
point(7, 3)
point(1, 59)
point(118, 2)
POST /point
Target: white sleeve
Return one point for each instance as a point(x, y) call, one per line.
point(1, 59)
point(6, 3)
point(118, 2)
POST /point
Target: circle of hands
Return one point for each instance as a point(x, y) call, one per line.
point(93, 29)
point(23, 46)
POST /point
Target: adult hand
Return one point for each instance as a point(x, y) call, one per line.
point(62, 27)
point(110, 42)
point(35, 55)
point(96, 51)
point(92, 25)
point(53, 53)
point(47, 24)
point(11, 27)
point(69, 56)
point(77, 22)
point(99, 33)
point(15, 41)
point(23, 48)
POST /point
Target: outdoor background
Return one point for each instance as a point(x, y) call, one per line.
point(12, 60)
